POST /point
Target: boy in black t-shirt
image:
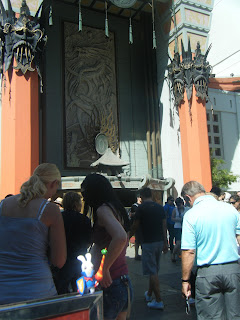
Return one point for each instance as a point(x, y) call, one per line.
point(150, 216)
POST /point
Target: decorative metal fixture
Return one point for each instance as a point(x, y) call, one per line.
point(79, 16)
point(191, 71)
point(130, 31)
point(124, 3)
point(153, 27)
point(22, 39)
point(176, 76)
point(106, 20)
point(201, 72)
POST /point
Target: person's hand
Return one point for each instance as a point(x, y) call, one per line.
point(106, 280)
point(165, 248)
point(186, 289)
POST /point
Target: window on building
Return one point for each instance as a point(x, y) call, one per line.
point(215, 134)
point(218, 152)
point(216, 129)
point(216, 140)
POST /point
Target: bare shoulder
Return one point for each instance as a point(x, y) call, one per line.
point(107, 219)
point(51, 214)
point(104, 214)
point(104, 208)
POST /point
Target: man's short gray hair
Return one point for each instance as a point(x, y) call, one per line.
point(192, 188)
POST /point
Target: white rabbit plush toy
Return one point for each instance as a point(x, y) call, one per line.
point(87, 283)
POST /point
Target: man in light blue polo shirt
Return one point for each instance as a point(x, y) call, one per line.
point(209, 232)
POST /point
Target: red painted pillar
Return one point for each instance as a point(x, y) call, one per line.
point(19, 129)
point(194, 142)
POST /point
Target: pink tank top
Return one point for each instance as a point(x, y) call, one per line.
point(103, 239)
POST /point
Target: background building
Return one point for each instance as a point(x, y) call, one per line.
point(224, 56)
point(102, 94)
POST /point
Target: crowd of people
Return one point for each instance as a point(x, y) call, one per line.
point(39, 243)
point(40, 240)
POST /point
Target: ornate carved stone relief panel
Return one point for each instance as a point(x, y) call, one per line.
point(90, 93)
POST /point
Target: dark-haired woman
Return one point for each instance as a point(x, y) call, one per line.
point(111, 225)
point(79, 236)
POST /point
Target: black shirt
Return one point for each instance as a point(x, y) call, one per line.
point(78, 233)
point(151, 215)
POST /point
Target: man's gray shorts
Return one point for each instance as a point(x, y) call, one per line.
point(151, 253)
point(218, 292)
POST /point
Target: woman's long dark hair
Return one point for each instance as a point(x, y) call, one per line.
point(97, 190)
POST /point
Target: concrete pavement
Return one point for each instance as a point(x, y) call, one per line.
point(170, 286)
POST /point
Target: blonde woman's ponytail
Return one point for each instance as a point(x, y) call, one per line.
point(35, 187)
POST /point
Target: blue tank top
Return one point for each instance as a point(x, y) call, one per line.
point(24, 269)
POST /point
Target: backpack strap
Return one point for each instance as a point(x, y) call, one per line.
point(42, 208)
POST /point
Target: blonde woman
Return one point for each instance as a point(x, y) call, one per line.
point(32, 237)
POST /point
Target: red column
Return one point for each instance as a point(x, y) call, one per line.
point(19, 129)
point(194, 142)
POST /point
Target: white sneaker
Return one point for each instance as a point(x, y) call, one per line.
point(147, 297)
point(156, 305)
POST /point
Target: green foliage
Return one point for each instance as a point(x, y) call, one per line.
point(221, 177)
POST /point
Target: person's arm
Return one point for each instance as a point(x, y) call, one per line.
point(52, 217)
point(188, 257)
point(134, 228)
point(164, 229)
point(117, 244)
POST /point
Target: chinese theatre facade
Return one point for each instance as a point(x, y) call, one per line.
point(117, 87)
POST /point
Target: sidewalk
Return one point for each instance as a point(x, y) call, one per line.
point(170, 286)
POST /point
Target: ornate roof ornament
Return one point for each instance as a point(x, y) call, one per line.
point(187, 66)
point(201, 72)
point(124, 3)
point(22, 38)
point(110, 159)
point(191, 71)
point(176, 76)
